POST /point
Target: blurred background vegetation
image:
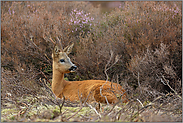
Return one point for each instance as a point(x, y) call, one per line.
point(146, 35)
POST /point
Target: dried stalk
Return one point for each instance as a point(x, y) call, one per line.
point(94, 110)
point(45, 76)
point(167, 83)
point(74, 114)
point(106, 76)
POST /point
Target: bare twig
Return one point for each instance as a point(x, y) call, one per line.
point(167, 83)
point(35, 44)
point(106, 76)
point(74, 113)
point(45, 76)
point(25, 112)
point(140, 102)
point(87, 97)
point(45, 84)
point(111, 108)
point(80, 98)
point(143, 108)
point(47, 58)
point(52, 40)
point(94, 110)
point(48, 39)
point(139, 83)
point(60, 106)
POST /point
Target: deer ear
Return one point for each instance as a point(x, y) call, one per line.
point(68, 49)
point(56, 51)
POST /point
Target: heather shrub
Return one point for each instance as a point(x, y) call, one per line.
point(147, 32)
point(153, 70)
point(19, 84)
point(81, 22)
point(129, 32)
point(29, 23)
point(155, 23)
point(143, 27)
point(24, 28)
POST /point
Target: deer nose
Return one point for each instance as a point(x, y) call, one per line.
point(73, 68)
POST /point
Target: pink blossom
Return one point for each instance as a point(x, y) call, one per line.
point(9, 11)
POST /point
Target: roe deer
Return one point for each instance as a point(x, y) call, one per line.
point(88, 90)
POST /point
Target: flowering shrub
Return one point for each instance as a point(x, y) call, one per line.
point(174, 11)
point(81, 22)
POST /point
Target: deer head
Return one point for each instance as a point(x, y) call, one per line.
point(61, 61)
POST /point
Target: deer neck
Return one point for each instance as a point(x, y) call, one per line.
point(58, 82)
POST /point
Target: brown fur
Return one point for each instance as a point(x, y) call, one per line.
point(88, 90)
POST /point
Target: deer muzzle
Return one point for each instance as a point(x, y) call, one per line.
point(73, 68)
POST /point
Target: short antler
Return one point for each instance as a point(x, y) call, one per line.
point(48, 39)
point(57, 42)
point(60, 43)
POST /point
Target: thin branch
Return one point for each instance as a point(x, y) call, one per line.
point(116, 60)
point(140, 102)
point(139, 83)
point(35, 44)
point(62, 104)
point(111, 108)
point(94, 109)
point(48, 39)
point(45, 76)
point(47, 58)
point(167, 83)
point(52, 40)
point(87, 97)
point(80, 98)
point(105, 71)
point(74, 114)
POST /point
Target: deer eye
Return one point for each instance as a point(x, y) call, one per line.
point(62, 60)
